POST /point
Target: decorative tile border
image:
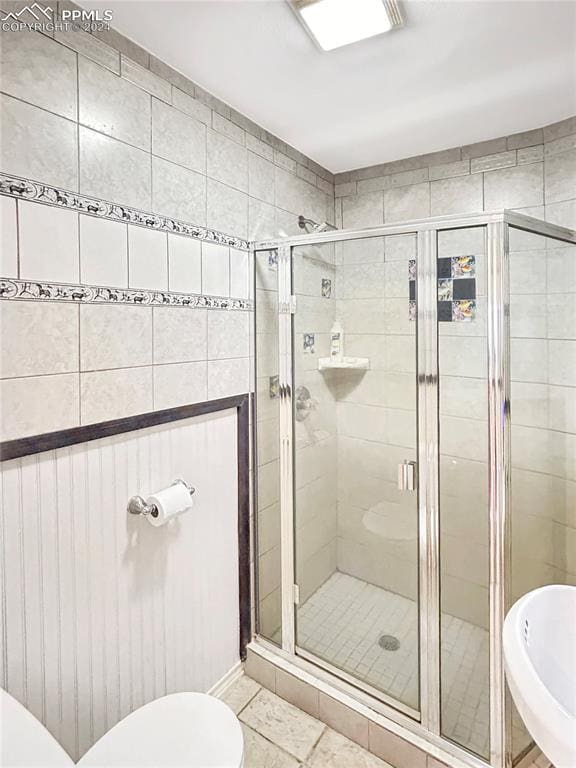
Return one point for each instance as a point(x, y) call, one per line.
point(86, 294)
point(326, 288)
point(456, 289)
point(26, 189)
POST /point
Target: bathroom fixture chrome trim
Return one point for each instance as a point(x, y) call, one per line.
point(138, 506)
point(457, 221)
point(427, 451)
point(304, 223)
point(36, 191)
point(501, 756)
point(286, 409)
point(358, 684)
point(407, 475)
point(498, 266)
point(370, 707)
point(33, 290)
point(304, 403)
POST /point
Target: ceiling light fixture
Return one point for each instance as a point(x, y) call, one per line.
point(334, 23)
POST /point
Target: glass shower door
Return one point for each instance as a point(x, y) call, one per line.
point(355, 448)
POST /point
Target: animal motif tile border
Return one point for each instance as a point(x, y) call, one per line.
point(27, 189)
point(86, 294)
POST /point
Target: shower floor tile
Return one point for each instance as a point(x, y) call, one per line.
point(342, 623)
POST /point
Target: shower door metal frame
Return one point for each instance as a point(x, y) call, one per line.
point(499, 464)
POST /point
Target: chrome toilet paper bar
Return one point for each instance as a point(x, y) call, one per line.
point(138, 506)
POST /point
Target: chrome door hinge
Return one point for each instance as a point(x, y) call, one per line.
point(296, 594)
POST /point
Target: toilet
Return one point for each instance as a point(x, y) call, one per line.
point(182, 730)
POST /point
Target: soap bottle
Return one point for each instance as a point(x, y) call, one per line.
point(337, 341)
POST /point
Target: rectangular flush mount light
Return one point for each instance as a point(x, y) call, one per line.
point(334, 23)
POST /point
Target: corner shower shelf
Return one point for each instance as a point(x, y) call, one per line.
point(343, 363)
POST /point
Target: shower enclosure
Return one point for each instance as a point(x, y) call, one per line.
point(412, 486)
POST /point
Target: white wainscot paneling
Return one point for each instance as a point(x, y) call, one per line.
point(101, 612)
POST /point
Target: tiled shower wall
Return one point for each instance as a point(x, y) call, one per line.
point(114, 124)
point(535, 173)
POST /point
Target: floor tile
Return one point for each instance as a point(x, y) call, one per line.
point(285, 725)
point(261, 753)
point(240, 693)
point(336, 751)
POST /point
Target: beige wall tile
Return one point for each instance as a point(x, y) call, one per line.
point(88, 45)
point(261, 182)
point(407, 203)
point(115, 336)
point(191, 106)
point(115, 394)
point(260, 670)
point(343, 719)
point(460, 195)
point(38, 404)
point(9, 238)
point(228, 334)
point(560, 177)
point(113, 170)
point(227, 161)
point(147, 258)
point(395, 750)
point(297, 692)
point(111, 105)
point(179, 384)
point(180, 334)
point(365, 210)
point(215, 269)
point(228, 377)
point(38, 338)
point(38, 145)
point(103, 252)
point(514, 187)
point(145, 79)
point(39, 71)
point(184, 264)
point(48, 243)
point(227, 209)
point(178, 192)
point(562, 362)
point(177, 137)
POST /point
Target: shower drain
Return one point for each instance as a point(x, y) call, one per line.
point(389, 642)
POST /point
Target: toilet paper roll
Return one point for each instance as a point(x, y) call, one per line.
point(169, 503)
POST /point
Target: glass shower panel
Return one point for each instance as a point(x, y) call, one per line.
point(463, 458)
point(268, 586)
point(543, 416)
point(356, 533)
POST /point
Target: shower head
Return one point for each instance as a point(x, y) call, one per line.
point(312, 226)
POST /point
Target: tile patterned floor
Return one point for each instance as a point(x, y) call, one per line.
point(279, 735)
point(342, 622)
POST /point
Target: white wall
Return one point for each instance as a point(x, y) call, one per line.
point(101, 612)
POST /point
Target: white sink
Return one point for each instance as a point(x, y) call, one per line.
point(540, 659)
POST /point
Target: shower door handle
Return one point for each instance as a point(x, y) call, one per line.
point(407, 476)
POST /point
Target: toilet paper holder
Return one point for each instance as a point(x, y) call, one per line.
point(138, 506)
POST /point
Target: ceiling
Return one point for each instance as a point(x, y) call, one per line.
point(458, 72)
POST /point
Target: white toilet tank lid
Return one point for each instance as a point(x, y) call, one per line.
point(24, 741)
point(191, 730)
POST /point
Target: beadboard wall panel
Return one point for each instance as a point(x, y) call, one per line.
point(102, 612)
